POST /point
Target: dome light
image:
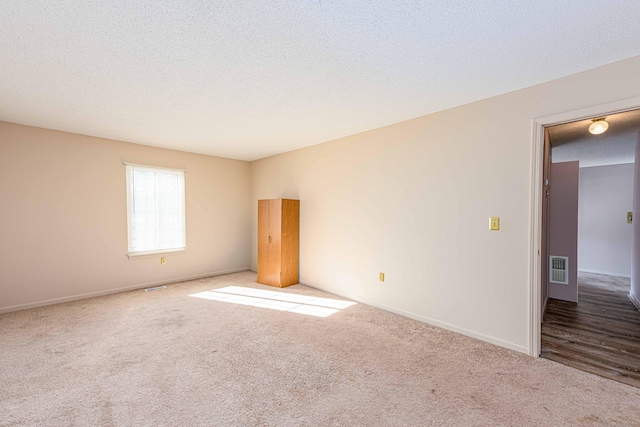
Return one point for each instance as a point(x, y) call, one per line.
point(598, 126)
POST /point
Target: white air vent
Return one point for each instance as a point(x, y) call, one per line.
point(559, 270)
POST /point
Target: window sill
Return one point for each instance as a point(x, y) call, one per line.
point(151, 254)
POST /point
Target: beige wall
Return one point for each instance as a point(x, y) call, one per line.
point(604, 237)
point(63, 225)
point(413, 200)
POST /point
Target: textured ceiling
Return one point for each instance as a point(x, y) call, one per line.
point(250, 79)
point(572, 141)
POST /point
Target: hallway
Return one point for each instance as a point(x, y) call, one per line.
point(600, 334)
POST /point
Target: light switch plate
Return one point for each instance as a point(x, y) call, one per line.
point(629, 217)
point(494, 223)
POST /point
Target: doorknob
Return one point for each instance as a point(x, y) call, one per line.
point(269, 239)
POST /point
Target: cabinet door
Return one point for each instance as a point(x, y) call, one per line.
point(290, 238)
point(269, 242)
point(263, 245)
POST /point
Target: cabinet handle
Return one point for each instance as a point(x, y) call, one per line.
point(269, 239)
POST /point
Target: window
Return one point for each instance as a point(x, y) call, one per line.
point(155, 210)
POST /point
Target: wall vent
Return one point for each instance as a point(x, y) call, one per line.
point(157, 288)
point(559, 270)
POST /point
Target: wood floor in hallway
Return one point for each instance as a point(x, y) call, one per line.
point(600, 334)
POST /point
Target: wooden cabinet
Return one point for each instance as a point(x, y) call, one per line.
point(278, 235)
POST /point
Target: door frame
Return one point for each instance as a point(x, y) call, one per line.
point(535, 229)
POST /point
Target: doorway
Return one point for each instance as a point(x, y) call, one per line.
point(603, 293)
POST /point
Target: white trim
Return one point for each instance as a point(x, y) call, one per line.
point(428, 320)
point(635, 301)
point(590, 112)
point(606, 273)
point(118, 290)
point(535, 239)
point(535, 224)
point(150, 254)
point(152, 167)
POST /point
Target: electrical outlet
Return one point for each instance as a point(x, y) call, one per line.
point(163, 260)
point(382, 277)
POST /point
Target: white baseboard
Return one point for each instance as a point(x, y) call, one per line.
point(635, 301)
point(430, 321)
point(607, 273)
point(117, 290)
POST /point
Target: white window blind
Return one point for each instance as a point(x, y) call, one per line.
point(155, 209)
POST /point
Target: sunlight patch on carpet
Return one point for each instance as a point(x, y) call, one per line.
point(301, 304)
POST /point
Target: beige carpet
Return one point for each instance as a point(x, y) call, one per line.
point(164, 358)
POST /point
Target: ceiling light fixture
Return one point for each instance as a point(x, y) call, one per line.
point(598, 126)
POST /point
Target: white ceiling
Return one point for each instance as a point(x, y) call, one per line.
point(572, 141)
point(250, 79)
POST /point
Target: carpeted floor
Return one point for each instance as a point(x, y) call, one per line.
point(164, 358)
